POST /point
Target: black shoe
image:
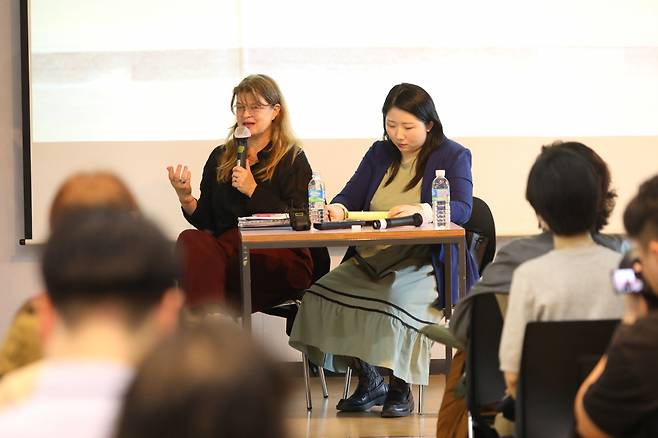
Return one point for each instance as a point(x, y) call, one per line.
point(398, 403)
point(364, 398)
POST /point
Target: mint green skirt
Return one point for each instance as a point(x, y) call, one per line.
point(372, 310)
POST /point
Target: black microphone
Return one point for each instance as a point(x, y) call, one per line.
point(241, 136)
point(415, 219)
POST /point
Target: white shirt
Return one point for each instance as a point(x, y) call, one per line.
point(72, 399)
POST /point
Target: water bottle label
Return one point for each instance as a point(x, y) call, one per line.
point(438, 196)
point(315, 195)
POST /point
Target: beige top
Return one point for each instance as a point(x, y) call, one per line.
point(387, 197)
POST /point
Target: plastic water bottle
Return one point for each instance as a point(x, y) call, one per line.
point(441, 200)
point(316, 195)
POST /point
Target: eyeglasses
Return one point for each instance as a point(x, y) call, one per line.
point(253, 109)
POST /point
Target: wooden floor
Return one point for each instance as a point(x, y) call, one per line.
point(325, 421)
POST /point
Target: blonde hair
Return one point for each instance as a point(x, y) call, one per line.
point(283, 138)
point(89, 190)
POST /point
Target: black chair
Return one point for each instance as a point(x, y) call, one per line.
point(485, 383)
point(288, 310)
point(556, 358)
point(481, 234)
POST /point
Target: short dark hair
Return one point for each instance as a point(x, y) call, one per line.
point(209, 381)
point(607, 203)
point(641, 214)
point(414, 100)
point(100, 255)
point(565, 190)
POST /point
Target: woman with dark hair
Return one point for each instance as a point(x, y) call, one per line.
point(369, 310)
point(274, 179)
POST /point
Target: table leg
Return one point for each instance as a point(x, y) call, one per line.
point(447, 311)
point(245, 283)
point(447, 274)
point(461, 267)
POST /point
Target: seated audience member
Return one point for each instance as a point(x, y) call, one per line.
point(620, 396)
point(572, 281)
point(109, 278)
point(497, 277)
point(22, 345)
point(218, 384)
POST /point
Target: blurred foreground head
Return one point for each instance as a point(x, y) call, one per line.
point(641, 222)
point(99, 260)
point(207, 382)
point(91, 190)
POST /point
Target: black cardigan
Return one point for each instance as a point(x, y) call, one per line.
point(220, 204)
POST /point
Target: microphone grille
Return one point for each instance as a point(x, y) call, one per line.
point(242, 132)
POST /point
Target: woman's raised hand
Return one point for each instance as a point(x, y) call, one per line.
point(180, 181)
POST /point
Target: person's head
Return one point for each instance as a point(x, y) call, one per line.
point(641, 223)
point(110, 262)
point(258, 104)
point(206, 382)
point(91, 189)
point(607, 203)
point(412, 125)
point(565, 191)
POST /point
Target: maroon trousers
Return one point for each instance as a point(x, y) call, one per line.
point(211, 271)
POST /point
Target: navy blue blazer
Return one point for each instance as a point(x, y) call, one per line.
point(455, 159)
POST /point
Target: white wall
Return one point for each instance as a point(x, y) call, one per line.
point(500, 169)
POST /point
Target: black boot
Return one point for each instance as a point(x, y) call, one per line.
point(371, 390)
point(399, 401)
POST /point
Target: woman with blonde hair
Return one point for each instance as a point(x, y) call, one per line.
point(274, 178)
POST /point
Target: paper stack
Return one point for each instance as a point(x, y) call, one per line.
point(265, 220)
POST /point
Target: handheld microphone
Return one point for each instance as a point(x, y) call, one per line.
point(415, 219)
point(241, 136)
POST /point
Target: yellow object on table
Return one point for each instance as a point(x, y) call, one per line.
point(366, 215)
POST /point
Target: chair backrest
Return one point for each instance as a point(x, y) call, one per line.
point(485, 383)
point(557, 357)
point(481, 234)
